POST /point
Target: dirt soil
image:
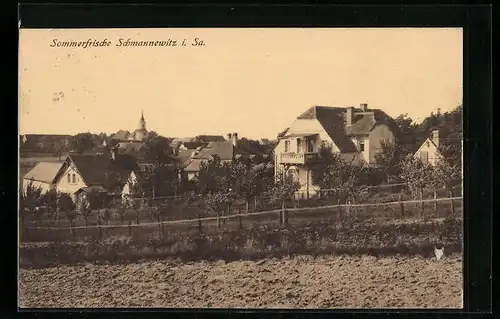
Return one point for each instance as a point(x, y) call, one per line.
point(298, 282)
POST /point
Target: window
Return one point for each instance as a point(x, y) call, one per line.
point(69, 178)
point(299, 146)
point(310, 146)
point(424, 157)
point(74, 179)
point(361, 146)
point(287, 146)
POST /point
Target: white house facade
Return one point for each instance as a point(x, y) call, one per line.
point(357, 134)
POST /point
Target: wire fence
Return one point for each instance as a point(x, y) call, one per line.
point(303, 210)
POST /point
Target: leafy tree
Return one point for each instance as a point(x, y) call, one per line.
point(93, 201)
point(158, 151)
point(283, 189)
point(389, 158)
point(219, 203)
point(342, 177)
point(66, 205)
point(416, 174)
point(30, 199)
point(50, 200)
point(406, 135)
point(447, 174)
point(121, 207)
point(214, 176)
point(82, 142)
point(247, 180)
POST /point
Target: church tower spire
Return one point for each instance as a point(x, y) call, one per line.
point(142, 123)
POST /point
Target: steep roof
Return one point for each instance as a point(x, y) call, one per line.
point(44, 172)
point(95, 168)
point(194, 164)
point(333, 121)
point(224, 150)
point(364, 122)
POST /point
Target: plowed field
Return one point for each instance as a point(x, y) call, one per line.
point(298, 282)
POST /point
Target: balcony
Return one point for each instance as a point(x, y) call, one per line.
point(299, 158)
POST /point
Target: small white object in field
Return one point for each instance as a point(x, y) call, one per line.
point(438, 253)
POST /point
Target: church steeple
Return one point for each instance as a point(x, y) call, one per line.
point(142, 123)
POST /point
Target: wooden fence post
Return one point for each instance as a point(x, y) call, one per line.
point(348, 208)
point(435, 203)
point(240, 219)
point(282, 212)
point(159, 227)
point(130, 228)
point(451, 203)
point(421, 202)
point(339, 210)
point(199, 224)
point(162, 228)
point(100, 230)
point(401, 206)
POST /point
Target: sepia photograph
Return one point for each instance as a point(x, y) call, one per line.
point(245, 168)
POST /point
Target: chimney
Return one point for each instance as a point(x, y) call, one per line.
point(235, 138)
point(363, 107)
point(349, 113)
point(228, 136)
point(435, 137)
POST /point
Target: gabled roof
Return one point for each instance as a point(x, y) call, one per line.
point(333, 121)
point(194, 164)
point(44, 172)
point(224, 150)
point(94, 169)
point(364, 122)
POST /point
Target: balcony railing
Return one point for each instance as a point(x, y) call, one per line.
point(299, 158)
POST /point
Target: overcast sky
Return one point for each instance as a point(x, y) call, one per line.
point(251, 81)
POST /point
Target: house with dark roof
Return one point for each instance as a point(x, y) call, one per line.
point(102, 171)
point(355, 133)
point(226, 151)
point(42, 176)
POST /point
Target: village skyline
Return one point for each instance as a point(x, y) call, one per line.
point(242, 80)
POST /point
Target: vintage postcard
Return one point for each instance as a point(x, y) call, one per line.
point(316, 168)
